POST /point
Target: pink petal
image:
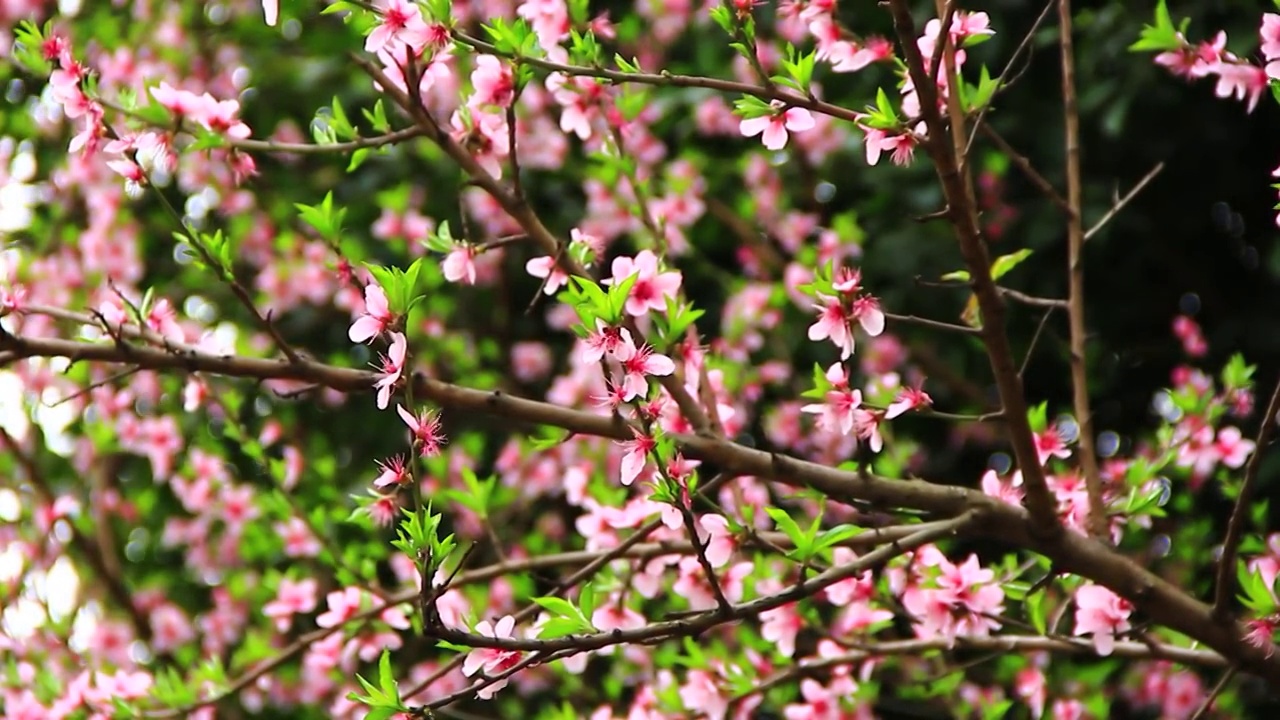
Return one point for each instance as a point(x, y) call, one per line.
point(799, 120)
point(659, 365)
point(364, 329)
point(775, 136)
point(872, 321)
point(751, 127)
point(409, 419)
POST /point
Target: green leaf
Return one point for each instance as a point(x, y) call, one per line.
point(325, 217)
point(1005, 263)
point(1038, 417)
point(835, 536)
point(378, 118)
point(1036, 615)
point(799, 537)
point(587, 600)
point(749, 106)
point(559, 627)
point(1161, 36)
point(357, 158)
point(386, 678)
point(558, 606)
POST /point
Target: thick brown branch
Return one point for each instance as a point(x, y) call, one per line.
point(1088, 455)
point(1161, 601)
point(942, 148)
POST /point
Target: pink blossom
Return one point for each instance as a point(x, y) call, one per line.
point(547, 268)
point(392, 473)
point(606, 340)
point(292, 598)
point(401, 23)
point(908, 399)
point(819, 703)
point(1261, 632)
point(377, 316)
point(493, 82)
point(1005, 491)
point(638, 363)
point(219, 116)
point(1049, 443)
point(901, 146)
point(1101, 613)
point(858, 617)
point(1195, 61)
point(636, 455)
point(1268, 565)
point(866, 426)
point(960, 600)
point(836, 411)
point(612, 616)
point(343, 605)
point(391, 368)
point(299, 540)
point(163, 320)
point(1233, 447)
point(425, 426)
point(1030, 685)
point(833, 324)
point(492, 661)
point(701, 694)
point(652, 287)
point(1270, 34)
point(485, 135)
point(866, 311)
point(715, 533)
point(780, 627)
point(967, 24)
point(854, 589)
point(773, 128)
point(271, 11)
point(460, 264)
point(1244, 81)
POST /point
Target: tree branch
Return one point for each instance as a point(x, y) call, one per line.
point(1226, 580)
point(1163, 602)
point(1096, 521)
point(1120, 202)
point(942, 146)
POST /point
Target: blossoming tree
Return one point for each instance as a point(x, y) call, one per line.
point(539, 375)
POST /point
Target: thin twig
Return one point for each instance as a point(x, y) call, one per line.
point(700, 551)
point(1026, 359)
point(935, 324)
point(1003, 80)
point(666, 79)
point(1007, 644)
point(275, 146)
point(1218, 687)
point(1026, 167)
point(1240, 514)
point(1120, 202)
point(1032, 300)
